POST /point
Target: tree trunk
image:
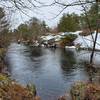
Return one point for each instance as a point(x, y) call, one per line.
point(94, 43)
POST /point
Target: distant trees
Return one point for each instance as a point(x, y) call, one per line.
point(35, 27)
point(44, 27)
point(73, 22)
point(23, 31)
point(68, 23)
point(32, 29)
point(92, 15)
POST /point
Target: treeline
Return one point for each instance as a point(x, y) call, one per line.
point(31, 29)
point(4, 29)
point(73, 22)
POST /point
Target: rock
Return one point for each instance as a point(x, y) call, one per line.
point(62, 97)
point(32, 89)
point(37, 98)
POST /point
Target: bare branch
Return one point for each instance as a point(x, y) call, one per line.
point(87, 19)
point(75, 3)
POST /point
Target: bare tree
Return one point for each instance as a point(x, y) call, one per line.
point(21, 5)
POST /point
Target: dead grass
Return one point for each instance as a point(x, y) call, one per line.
point(10, 90)
point(85, 91)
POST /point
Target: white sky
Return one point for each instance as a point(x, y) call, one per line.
point(45, 13)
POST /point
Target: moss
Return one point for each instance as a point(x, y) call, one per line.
point(32, 88)
point(2, 51)
point(3, 77)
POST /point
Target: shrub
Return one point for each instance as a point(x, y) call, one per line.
point(68, 40)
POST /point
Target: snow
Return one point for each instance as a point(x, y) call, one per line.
point(87, 41)
point(46, 38)
point(57, 37)
point(50, 37)
point(70, 47)
point(77, 32)
point(83, 41)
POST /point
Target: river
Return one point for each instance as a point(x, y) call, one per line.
point(53, 71)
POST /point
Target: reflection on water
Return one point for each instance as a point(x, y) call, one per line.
point(53, 71)
point(67, 61)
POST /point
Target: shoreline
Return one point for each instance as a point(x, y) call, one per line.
point(14, 91)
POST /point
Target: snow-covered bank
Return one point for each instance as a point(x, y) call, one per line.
point(87, 41)
point(70, 47)
point(81, 41)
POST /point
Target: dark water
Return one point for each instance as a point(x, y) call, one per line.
point(53, 71)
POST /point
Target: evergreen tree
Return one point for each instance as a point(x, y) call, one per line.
point(92, 13)
point(32, 29)
point(68, 22)
point(35, 27)
point(4, 25)
point(92, 17)
point(23, 31)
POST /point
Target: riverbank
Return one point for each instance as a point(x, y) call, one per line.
point(2, 62)
point(83, 91)
point(11, 90)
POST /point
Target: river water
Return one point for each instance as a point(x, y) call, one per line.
point(53, 71)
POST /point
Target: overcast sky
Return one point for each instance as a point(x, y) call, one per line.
point(45, 13)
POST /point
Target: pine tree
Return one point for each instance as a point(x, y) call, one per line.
point(68, 23)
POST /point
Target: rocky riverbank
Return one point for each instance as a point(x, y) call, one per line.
point(83, 91)
point(11, 90)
